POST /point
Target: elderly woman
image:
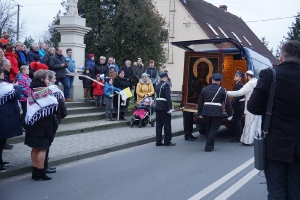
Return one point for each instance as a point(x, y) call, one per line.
point(144, 88)
point(40, 122)
point(10, 122)
point(121, 82)
point(101, 67)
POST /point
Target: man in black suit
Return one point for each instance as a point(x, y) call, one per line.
point(163, 109)
point(210, 108)
point(238, 105)
point(283, 138)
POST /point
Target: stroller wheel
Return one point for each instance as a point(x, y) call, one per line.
point(140, 124)
point(152, 123)
point(131, 122)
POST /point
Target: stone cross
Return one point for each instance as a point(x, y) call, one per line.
point(73, 10)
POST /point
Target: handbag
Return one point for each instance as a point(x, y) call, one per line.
point(259, 140)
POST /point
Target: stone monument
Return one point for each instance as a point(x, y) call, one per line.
point(72, 29)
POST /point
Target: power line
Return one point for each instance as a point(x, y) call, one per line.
point(18, 20)
point(265, 20)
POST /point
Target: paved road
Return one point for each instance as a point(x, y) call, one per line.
point(149, 172)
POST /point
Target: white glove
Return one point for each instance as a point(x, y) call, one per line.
point(111, 95)
point(229, 118)
point(117, 92)
point(170, 111)
point(200, 116)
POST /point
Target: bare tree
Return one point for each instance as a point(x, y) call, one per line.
point(42, 36)
point(8, 18)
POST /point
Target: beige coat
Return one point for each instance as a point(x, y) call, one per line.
point(143, 89)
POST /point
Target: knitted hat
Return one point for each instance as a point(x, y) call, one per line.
point(108, 79)
point(91, 55)
point(144, 75)
point(120, 71)
point(112, 67)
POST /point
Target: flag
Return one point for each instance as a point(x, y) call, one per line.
point(125, 94)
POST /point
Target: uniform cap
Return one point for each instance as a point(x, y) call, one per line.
point(217, 77)
point(239, 73)
point(163, 74)
point(250, 72)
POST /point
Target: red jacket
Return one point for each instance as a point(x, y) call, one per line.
point(98, 89)
point(37, 65)
point(14, 65)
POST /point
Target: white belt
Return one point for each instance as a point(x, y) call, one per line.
point(242, 99)
point(161, 99)
point(212, 104)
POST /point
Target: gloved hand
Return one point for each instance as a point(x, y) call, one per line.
point(170, 111)
point(200, 116)
point(229, 118)
point(111, 95)
point(117, 92)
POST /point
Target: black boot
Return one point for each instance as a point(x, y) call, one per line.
point(34, 170)
point(41, 175)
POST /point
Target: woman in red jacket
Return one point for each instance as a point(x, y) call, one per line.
point(12, 57)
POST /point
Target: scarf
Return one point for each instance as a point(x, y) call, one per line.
point(7, 92)
point(57, 92)
point(23, 59)
point(40, 104)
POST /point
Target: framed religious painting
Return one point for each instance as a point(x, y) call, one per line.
point(198, 70)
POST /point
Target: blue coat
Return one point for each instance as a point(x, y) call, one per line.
point(89, 63)
point(10, 122)
point(109, 90)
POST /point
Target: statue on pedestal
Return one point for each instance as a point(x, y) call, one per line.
point(73, 10)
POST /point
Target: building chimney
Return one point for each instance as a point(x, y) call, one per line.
point(223, 7)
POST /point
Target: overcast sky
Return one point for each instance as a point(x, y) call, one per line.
point(38, 14)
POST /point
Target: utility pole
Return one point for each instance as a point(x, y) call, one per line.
point(18, 23)
point(18, 20)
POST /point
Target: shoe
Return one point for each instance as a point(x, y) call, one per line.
point(189, 139)
point(159, 144)
point(34, 171)
point(193, 137)
point(170, 144)
point(111, 119)
point(53, 168)
point(2, 169)
point(86, 100)
point(209, 150)
point(8, 146)
point(122, 119)
point(40, 174)
point(91, 98)
point(244, 144)
point(23, 130)
point(234, 140)
point(4, 164)
point(69, 100)
point(49, 170)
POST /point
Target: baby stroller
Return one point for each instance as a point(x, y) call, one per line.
point(143, 112)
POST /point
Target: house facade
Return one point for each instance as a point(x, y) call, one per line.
point(198, 19)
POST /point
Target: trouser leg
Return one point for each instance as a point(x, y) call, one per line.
point(159, 126)
point(46, 159)
point(167, 127)
point(276, 178)
point(237, 120)
point(66, 87)
point(85, 93)
point(293, 180)
point(187, 123)
point(215, 123)
point(135, 95)
point(24, 108)
point(2, 143)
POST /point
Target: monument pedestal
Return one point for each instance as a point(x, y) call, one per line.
point(72, 30)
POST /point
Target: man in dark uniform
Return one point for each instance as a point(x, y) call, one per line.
point(163, 109)
point(210, 108)
point(188, 125)
point(238, 105)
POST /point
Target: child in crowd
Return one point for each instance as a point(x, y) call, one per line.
point(112, 72)
point(109, 91)
point(24, 83)
point(87, 84)
point(98, 90)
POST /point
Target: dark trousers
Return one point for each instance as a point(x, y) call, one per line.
point(283, 180)
point(212, 125)
point(237, 123)
point(134, 91)
point(188, 123)
point(2, 143)
point(63, 81)
point(24, 109)
point(46, 165)
point(163, 119)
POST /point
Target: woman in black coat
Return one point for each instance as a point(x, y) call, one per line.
point(121, 83)
point(101, 67)
point(10, 123)
point(40, 122)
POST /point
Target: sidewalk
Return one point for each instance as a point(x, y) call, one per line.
point(79, 146)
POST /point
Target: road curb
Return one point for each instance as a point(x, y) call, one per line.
point(80, 156)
